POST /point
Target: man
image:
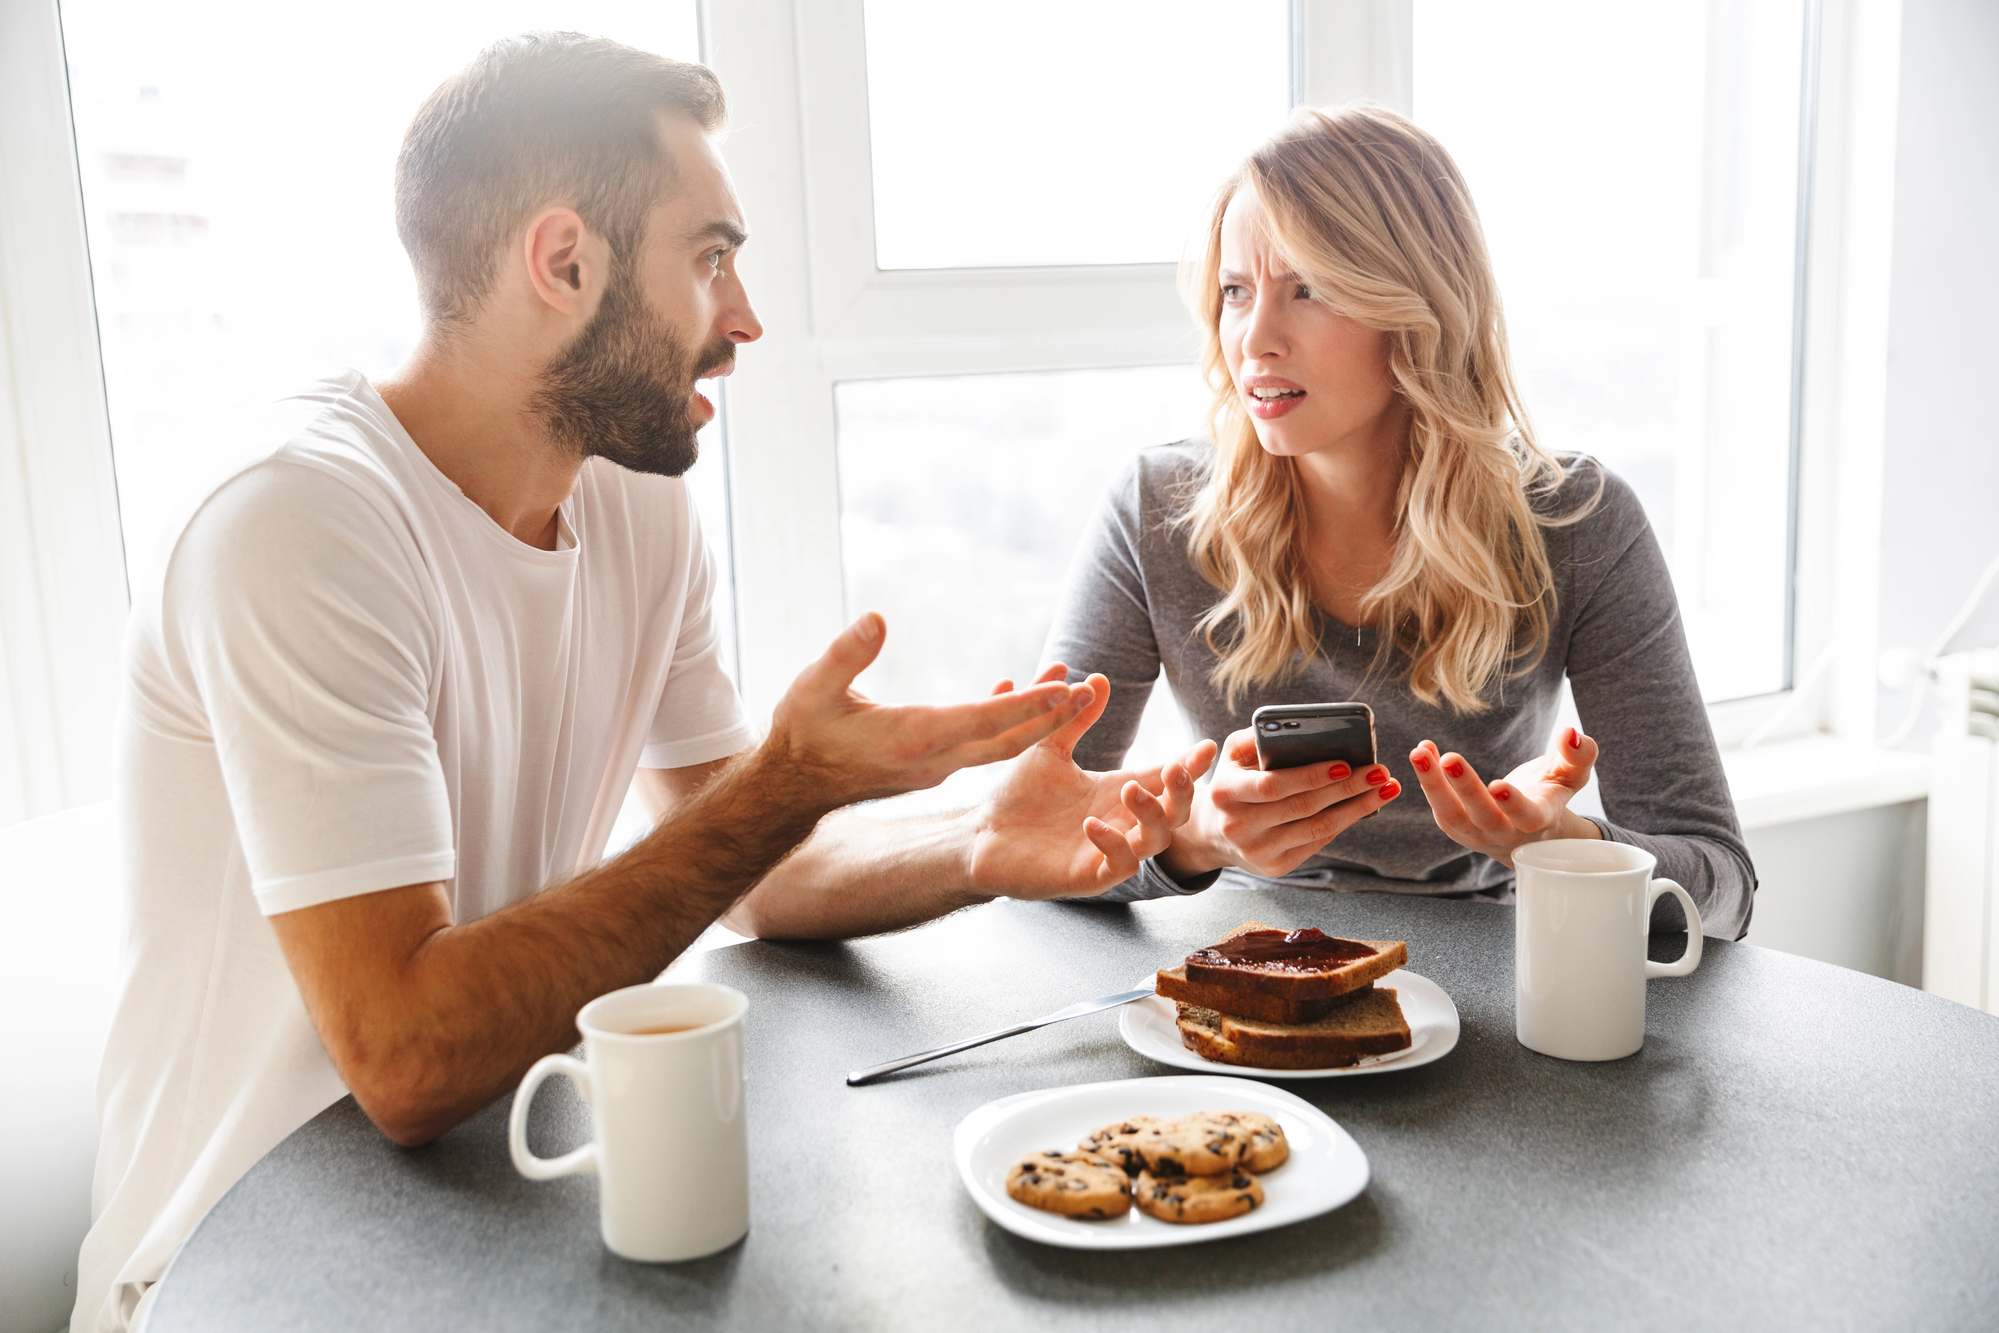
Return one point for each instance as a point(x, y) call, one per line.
point(385, 702)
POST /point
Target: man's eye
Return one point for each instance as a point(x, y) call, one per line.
point(714, 258)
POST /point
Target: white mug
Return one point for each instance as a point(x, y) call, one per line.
point(1580, 923)
point(671, 1149)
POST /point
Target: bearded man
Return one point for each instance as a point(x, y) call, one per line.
point(400, 670)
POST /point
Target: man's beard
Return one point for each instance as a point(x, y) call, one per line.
point(624, 389)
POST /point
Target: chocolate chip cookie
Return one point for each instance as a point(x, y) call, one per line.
point(1074, 1184)
point(1267, 1148)
point(1197, 1199)
point(1119, 1142)
point(1202, 1144)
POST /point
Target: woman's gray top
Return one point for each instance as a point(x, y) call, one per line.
point(1131, 608)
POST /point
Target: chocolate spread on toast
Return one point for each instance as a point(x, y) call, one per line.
point(1308, 950)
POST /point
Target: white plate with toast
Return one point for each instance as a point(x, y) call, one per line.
point(1326, 1167)
point(1150, 1027)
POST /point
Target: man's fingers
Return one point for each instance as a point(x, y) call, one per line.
point(940, 728)
point(1155, 823)
point(1199, 759)
point(852, 651)
point(1005, 686)
point(1120, 863)
point(1064, 740)
point(1053, 671)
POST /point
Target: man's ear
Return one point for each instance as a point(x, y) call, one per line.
point(565, 261)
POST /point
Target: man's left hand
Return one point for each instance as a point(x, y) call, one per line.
point(1052, 830)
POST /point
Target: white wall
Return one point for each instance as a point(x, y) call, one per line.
point(1940, 493)
point(1845, 889)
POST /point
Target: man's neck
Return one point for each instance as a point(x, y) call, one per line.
point(466, 406)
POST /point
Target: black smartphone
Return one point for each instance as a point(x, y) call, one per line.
point(1293, 735)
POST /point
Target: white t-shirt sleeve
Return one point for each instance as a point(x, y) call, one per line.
point(297, 615)
point(699, 717)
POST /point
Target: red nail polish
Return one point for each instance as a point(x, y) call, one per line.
point(1575, 739)
point(1422, 763)
point(1341, 771)
point(1503, 794)
point(1376, 776)
point(1391, 791)
point(1453, 768)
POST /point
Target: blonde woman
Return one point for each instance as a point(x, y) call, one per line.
point(1375, 520)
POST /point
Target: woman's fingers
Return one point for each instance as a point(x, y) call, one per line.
point(1575, 758)
point(1288, 845)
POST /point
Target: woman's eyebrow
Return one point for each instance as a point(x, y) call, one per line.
point(1228, 275)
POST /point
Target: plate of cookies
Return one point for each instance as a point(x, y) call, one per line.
point(1147, 1162)
point(1292, 1004)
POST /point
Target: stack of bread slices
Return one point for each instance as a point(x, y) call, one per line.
point(1295, 1014)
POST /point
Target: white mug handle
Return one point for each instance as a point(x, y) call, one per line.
point(1688, 961)
point(583, 1160)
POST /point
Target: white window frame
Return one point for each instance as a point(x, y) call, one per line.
point(62, 557)
point(796, 73)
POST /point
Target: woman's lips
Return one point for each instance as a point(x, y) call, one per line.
point(1269, 409)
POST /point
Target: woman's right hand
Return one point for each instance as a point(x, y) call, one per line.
point(1270, 823)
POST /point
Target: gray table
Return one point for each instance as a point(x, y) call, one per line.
point(1796, 1146)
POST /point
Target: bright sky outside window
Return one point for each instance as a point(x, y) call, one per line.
point(1636, 171)
point(1063, 131)
point(962, 500)
point(238, 166)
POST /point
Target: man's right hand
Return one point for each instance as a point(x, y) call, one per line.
point(844, 747)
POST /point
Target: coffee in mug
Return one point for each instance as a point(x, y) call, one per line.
point(662, 1070)
point(1582, 915)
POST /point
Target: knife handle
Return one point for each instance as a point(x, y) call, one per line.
point(860, 1076)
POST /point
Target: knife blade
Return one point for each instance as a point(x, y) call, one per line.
point(1077, 1010)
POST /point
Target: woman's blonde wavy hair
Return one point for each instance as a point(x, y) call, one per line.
point(1374, 217)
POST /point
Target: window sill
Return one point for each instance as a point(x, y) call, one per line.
point(1811, 777)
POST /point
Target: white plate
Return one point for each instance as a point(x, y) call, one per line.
point(1325, 1170)
point(1148, 1026)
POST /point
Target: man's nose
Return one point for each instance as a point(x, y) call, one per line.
point(739, 322)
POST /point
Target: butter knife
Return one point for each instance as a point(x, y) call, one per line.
point(860, 1076)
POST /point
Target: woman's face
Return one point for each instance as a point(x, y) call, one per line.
point(1311, 380)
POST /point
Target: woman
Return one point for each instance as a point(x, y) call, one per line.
point(1375, 521)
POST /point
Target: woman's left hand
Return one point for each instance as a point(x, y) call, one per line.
point(1530, 804)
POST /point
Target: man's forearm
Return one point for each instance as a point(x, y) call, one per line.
point(862, 876)
point(476, 1004)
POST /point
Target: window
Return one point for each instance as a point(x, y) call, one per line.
point(238, 167)
point(996, 143)
point(1636, 169)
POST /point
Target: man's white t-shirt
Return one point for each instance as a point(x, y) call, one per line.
point(349, 678)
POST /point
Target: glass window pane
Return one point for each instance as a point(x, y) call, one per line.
point(238, 166)
point(961, 502)
point(1643, 218)
point(1077, 132)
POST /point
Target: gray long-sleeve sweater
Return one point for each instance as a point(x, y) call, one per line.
point(1131, 607)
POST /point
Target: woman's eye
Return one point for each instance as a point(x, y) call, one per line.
point(1302, 292)
point(1231, 292)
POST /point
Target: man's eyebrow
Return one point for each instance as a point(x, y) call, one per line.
point(721, 229)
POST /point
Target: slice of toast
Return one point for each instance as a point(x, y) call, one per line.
point(1174, 984)
point(1372, 1025)
point(1290, 982)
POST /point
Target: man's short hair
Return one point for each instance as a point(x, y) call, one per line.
point(543, 118)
